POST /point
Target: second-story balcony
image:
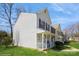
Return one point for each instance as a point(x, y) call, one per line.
point(45, 26)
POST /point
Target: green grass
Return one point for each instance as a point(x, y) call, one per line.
point(74, 44)
point(58, 48)
point(61, 53)
point(56, 51)
point(19, 51)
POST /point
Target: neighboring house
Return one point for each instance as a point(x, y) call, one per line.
point(58, 33)
point(34, 30)
point(66, 36)
point(75, 37)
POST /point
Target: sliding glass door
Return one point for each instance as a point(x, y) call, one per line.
point(39, 41)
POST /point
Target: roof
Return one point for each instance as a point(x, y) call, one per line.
point(57, 27)
point(45, 12)
point(42, 10)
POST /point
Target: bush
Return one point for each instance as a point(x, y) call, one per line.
point(7, 41)
point(5, 38)
point(58, 43)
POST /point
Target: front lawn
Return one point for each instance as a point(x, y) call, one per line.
point(19, 51)
point(62, 53)
point(74, 44)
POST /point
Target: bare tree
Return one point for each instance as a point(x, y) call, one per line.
point(72, 29)
point(76, 27)
point(9, 14)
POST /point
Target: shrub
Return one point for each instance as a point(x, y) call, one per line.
point(5, 38)
point(2, 35)
point(7, 41)
point(58, 43)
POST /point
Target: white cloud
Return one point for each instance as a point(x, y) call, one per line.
point(59, 8)
point(56, 7)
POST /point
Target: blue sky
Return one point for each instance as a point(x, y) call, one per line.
point(63, 14)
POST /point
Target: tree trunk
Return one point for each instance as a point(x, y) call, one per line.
point(12, 34)
point(11, 28)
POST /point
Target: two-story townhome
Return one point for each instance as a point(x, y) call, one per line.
point(34, 30)
point(59, 36)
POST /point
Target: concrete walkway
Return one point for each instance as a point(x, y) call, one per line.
point(72, 49)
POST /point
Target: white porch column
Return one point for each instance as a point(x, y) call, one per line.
point(53, 42)
point(50, 41)
point(42, 40)
point(46, 41)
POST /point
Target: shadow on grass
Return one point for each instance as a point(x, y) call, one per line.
point(60, 47)
point(67, 43)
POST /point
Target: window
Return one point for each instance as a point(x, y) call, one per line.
point(41, 24)
point(47, 27)
point(39, 40)
point(44, 25)
point(52, 30)
point(44, 41)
